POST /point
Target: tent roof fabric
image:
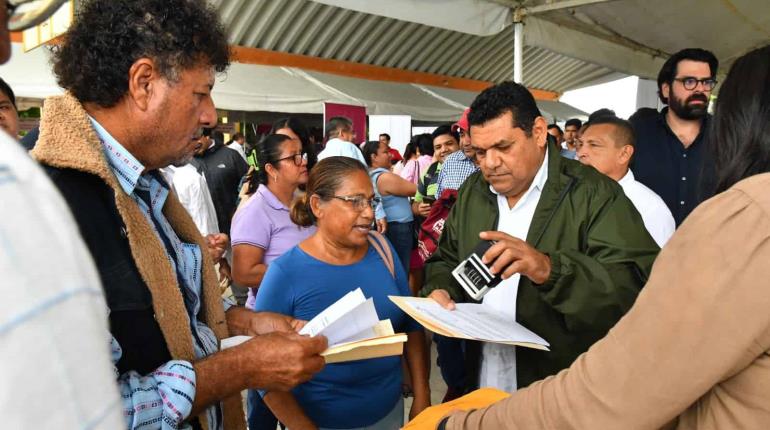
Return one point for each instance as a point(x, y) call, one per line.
point(564, 49)
point(250, 88)
point(314, 29)
point(728, 28)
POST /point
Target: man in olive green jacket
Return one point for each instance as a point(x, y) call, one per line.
point(586, 254)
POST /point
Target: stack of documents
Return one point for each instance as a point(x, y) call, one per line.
point(352, 328)
point(469, 321)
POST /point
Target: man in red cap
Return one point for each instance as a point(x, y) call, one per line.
point(460, 165)
point(395, 156)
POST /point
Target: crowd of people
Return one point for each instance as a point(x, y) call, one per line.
point(135, 239)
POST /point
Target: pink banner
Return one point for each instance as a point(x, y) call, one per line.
point(357, 114)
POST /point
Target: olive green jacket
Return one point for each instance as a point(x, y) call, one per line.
point(601, 256)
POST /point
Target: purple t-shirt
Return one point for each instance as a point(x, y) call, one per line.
point(264, 222)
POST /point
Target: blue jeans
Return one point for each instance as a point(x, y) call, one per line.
point(400, 235)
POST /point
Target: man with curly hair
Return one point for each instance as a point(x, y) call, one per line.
point(138, 76)
point(572, 250)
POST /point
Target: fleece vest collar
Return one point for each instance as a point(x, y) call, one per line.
point(68, 141)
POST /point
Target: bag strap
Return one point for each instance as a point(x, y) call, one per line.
point(380, 244)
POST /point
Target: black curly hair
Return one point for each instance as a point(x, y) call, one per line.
point(108, 36)
point(505, 97)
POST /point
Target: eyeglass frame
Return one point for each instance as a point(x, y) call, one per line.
point(302, 155)
point(705, 82)
point(356, 201)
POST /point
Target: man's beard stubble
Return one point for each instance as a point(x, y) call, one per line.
point(684, 110)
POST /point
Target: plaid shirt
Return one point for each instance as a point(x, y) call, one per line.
point(457, 167)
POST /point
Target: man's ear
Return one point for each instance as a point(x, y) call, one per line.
point(540, 131)
point(143, 76)
point(625, 154)
point(665, 90)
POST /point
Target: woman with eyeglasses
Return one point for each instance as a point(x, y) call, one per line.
point(394, 192)
point(262, 229)
point(336, 259)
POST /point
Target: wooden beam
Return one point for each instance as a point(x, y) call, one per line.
point(265, 57)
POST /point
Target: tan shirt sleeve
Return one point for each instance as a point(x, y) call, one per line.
point(701, 318)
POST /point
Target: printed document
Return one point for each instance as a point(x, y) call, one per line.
point(352, 328)
point(469, 321)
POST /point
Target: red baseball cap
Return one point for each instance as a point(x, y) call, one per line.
point(463, 122)
point(394, 155)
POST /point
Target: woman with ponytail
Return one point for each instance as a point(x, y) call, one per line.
point(262, 229)
point(342, 255)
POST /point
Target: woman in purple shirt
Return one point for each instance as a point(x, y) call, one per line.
point(262, 230)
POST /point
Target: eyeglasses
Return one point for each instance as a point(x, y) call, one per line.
point(689, 83)
point(298, 158)
point(359, 203)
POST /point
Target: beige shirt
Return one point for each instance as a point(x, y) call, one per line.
point(692, 353)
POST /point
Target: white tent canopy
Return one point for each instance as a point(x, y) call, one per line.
point(29, 74)
point(275, 89)
point(250, 88)
point(481, 18)
point(629, 36)
point(552, 110)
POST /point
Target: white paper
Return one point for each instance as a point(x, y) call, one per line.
point(477, 321)
point(230, 342)
point(348, 319)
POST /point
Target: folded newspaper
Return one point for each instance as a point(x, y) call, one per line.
point(352, 328)
point(469, 321)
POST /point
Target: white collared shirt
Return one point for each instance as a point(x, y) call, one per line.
point(193, 192)
point(342, 148)
point(656, 216)
point(498, 363)
point(237, 147)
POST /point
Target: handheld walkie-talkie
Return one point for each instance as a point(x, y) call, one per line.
point(473, 275)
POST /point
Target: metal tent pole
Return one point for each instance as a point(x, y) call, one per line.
point(518, 49)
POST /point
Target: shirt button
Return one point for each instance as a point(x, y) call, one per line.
point(684, 155)
point(682, 203)
point(684, 178)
